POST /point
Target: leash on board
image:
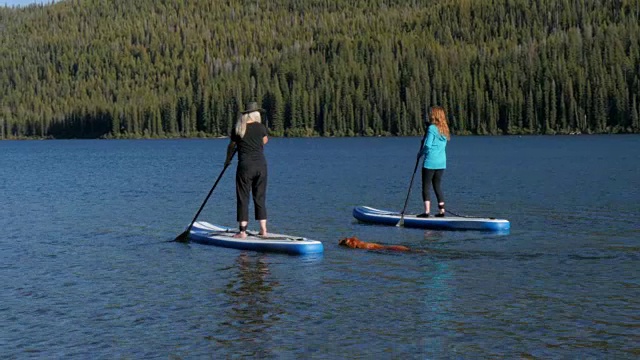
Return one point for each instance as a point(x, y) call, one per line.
point(468, 217)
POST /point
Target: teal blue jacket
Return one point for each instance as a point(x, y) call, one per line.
point(434, 149)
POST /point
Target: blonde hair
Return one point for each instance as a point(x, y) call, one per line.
point(244, 119)
point(439, 119)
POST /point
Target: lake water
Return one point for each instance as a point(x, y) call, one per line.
point(88, 272)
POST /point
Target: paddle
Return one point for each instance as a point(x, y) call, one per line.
point(406, 200)
point(184, 237)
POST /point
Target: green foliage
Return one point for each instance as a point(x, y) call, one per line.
point(157, 68)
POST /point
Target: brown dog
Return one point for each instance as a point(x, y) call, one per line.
point(355, 243)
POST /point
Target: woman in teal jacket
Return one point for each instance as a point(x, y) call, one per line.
point(435, 159)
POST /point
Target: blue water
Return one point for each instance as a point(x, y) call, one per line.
point(87, 271)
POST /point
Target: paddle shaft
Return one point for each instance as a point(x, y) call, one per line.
point(209, 194)
point(406, 200)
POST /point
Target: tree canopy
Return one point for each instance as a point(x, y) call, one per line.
point(160, 68)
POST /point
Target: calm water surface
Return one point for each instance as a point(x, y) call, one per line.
point(87, 271)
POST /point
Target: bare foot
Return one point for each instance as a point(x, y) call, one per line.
point(240, 235)
point(263, 234)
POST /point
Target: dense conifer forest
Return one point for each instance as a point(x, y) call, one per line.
point(184, 68)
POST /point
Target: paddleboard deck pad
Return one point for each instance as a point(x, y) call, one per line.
point(208, 234)
point(383, 217)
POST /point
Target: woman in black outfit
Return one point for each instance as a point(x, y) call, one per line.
point(249, 136)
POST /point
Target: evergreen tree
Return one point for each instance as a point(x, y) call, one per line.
point(153, 68)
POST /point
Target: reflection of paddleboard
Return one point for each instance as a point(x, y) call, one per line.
point(383, 217)
point(208, 234)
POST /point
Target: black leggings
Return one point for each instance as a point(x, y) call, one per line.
point(251, 177)
point(431, 176)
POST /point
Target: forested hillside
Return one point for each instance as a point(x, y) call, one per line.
point(158, 68)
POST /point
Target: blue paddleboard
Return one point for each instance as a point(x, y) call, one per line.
point(383, 217)
point(208, 234)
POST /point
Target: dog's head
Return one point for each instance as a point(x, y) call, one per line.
point(349, 242)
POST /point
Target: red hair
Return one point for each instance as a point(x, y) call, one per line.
point(439, 119)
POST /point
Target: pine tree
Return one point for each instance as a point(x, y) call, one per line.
point(635, 115)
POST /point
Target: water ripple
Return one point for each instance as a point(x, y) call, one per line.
point(89, 269)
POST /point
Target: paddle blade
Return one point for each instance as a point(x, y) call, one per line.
point(184, 237)
point(401, 222)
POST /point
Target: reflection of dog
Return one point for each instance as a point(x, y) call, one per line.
point(355, 243)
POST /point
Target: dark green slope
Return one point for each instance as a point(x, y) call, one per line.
point(151, 68)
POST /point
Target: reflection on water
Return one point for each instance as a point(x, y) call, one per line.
point(437, 300)
point(562, 285)
point(252, 310)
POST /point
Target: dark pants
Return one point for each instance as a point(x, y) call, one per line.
point(431, 176)
point(251, 177)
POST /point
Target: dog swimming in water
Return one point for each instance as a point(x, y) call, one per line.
point(355, 243)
